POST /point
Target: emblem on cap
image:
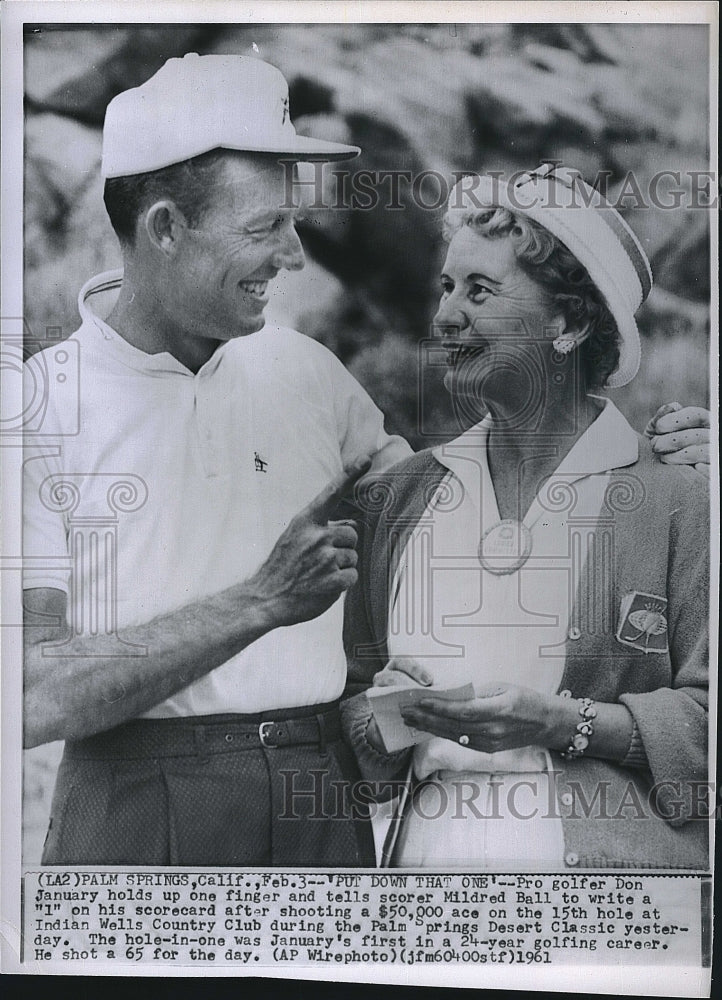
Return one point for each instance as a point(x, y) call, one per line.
point(643, 622)
point(284, 106)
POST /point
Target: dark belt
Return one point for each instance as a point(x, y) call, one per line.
point(201, 735)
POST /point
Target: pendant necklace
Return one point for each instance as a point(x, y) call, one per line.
point(505, 547)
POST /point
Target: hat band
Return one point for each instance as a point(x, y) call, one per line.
point(611, 217)
point(631, 246)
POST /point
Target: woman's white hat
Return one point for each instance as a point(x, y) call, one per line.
point(559, 199)
point(198, 103)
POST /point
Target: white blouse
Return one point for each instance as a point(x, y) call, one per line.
point(466, 624)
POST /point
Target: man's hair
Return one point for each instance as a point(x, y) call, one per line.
point(188, 185)
point(551, 265)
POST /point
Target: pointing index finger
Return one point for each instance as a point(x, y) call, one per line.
point(322, 508)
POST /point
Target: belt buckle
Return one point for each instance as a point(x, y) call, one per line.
point(265, 729)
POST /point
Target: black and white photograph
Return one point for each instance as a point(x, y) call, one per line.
point(360, 491)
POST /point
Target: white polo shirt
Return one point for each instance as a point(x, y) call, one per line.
point(149, 488)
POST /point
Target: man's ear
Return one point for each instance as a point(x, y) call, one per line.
point(164, 225)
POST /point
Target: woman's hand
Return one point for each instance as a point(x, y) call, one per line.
point(680, 435)
point(504, 716)
point(403, 671)
point(400, 671)
point(501, 717)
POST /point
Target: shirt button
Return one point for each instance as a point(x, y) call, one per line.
point(574, 633)
point(567, 799)
point(571, 858)
point(566, 693)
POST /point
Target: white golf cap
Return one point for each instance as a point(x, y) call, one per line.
point(560, 201)
point(198, 103)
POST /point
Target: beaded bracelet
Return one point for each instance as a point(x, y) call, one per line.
point(584, 731)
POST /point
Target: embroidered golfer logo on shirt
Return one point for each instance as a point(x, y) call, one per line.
point(284, 105)
point(260, 464)
point(643, 623)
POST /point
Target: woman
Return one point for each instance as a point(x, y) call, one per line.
point(546, 558)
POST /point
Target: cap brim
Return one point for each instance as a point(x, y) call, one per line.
point(302, 147)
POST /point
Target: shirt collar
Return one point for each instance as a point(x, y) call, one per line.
point(159, 364)
point(608, 443)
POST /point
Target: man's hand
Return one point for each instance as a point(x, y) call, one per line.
point(82, 689)
point(680, 435)
point(314, 560)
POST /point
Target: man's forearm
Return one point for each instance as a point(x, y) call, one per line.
point(84, 687)
point(89, 688)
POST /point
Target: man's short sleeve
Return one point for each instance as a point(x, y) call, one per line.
point(361, 423)
point(46, 560)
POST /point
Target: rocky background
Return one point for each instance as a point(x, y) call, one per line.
point(414, 97)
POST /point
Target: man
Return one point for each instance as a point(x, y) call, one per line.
point(220, 634)
point(183, 561)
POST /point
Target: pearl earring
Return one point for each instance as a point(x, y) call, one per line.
point(564, 345)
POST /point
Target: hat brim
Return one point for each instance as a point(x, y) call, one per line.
point(630, 348)
point(303, 147)
point(300, 147)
